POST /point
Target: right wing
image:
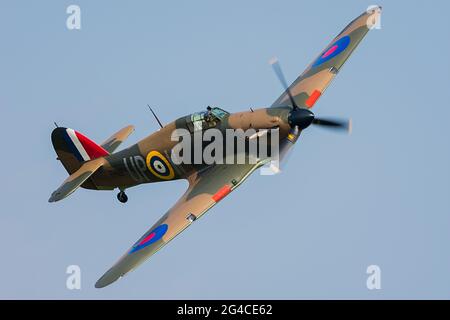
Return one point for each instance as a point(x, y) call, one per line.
point(205, 190)
point(312, 83)
point(117, 138)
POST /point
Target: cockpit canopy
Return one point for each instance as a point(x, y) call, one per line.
point(205, 119)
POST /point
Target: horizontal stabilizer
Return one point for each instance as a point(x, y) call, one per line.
point(76, 179)
point(117, 138)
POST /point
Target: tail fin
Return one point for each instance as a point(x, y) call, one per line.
point(74, 148)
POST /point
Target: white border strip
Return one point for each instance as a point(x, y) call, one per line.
point(78, 144)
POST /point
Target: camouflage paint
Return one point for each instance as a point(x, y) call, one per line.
point(207, 184)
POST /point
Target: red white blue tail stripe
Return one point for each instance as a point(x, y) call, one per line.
point(82, 147)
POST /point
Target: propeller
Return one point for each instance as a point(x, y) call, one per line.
point(294, 132)
point(337, 124)
point(301, 118)
point(277, 68)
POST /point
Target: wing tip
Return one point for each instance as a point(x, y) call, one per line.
point(55, 196)
point(374, 14)
point(377, 7)
point(99, 285)
point(105, 281)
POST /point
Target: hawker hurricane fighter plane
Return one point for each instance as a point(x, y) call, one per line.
point(99, 167)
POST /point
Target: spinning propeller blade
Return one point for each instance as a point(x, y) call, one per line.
point(300, 118)
point(277, 68)
point(335, 124)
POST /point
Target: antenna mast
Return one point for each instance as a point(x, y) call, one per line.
point(156, 117)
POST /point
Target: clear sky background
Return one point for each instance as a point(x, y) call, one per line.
point(379, 196)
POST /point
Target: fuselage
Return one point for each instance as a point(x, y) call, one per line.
point(149, 160)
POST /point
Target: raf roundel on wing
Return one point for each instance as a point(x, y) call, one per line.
point(152, 237)
point(332, 51)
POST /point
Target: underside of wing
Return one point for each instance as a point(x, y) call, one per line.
point(205, 190)
point(312, 83)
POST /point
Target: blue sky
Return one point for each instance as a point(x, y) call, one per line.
point(378, 196)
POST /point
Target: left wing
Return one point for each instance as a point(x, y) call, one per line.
point(205, 190)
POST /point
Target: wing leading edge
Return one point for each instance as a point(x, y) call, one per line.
point(204, 191)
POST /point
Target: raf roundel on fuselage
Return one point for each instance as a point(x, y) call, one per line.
point(332, 51)
point(159, 166)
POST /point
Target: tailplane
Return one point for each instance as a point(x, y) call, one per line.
point(76, 179)
point(117, 138)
